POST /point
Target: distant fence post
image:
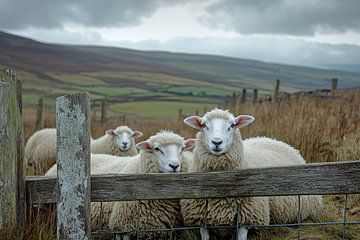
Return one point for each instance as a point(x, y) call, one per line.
point(180, 114)
point(12, 172)
point(103, 111)
point(254, 96)
point(334, 83)
point(39, 124)
point(73, 166)
point(243, 95)
point(276, 90)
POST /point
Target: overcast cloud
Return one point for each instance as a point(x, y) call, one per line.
point(290, 17)
point(20, 14)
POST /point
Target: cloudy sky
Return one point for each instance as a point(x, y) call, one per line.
point(305, 32)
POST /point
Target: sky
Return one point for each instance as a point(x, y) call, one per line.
point(322, 33)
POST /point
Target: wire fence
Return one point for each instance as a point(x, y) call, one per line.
point(173, 232)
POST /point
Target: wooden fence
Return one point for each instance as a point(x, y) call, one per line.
point(73, 189)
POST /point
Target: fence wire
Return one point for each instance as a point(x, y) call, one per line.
point(138, 231)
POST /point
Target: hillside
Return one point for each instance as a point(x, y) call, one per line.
point(137, 80)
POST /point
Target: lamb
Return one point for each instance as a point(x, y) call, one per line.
point(266, 152)
point(40, 150)
point(221, 139)
point(161, 153)
point(118, 142)
point(219, 147)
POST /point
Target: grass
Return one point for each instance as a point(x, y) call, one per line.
point(323, 129)
point(159, 78)
point(114, 91)
point(77, 79)
point(199, 91)
point(157, 109)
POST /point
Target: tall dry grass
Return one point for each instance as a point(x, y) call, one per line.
point(322, 128)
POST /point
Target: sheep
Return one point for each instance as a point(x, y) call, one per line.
point(161, 153)
point(40, 150)
point(256, 153)
point(118, 142)
point(266, 152)
point(100, 163)
point(219, 147)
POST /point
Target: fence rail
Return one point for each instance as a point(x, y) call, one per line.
point(320, 178)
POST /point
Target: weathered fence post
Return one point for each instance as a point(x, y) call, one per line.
point(276, 90)
point(39, 124)
point(254, 96)
point(334, 82)
point(73, 166)
point(103, 111)
point(12, 172)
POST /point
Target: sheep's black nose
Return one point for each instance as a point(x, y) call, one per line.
point(125, 143)
point(174, 166)
point(217, 143)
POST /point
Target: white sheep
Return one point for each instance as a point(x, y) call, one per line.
point(266, 152)
point(219, 147)
point(218, 139)
point(118, 142)
point(161, 153)
point(40, 149)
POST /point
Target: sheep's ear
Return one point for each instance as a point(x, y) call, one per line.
point(243, 120)
point(137, 134)
point(144, 146)
point(194, 122)
point(189, 144)
point(110, 132)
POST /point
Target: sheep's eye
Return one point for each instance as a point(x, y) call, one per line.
point(158, 149)
point(204, 126)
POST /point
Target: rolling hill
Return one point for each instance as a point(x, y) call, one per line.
point(135, 80)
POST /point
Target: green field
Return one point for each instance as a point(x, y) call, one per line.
point(158, 109)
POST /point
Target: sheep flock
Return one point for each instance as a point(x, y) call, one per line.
point(218, 146)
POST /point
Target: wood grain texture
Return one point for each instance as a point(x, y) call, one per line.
point(73, 163)
point(12, 175)
point(322, 178)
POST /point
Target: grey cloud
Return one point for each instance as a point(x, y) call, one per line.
point(20, 14)
point(290, 17)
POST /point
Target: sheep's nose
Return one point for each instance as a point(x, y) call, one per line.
point(217, 142)
point(125, 143)
point(174, 166)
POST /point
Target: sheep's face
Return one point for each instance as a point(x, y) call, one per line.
point(218, 132)
point(169, 157)
point(124, 140)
